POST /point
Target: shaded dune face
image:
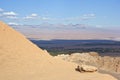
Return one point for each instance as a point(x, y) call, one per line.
point(22, 60)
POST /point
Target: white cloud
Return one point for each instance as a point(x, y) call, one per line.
point(32, 16)
point(80, 18)
point(1, 10)
point(12, 23)
point(89, 15)
point(9, 13)
point(46, 18)
point(92, 15)
point(36, 16)
point(11, 17)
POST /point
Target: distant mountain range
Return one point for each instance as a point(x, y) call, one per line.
point(47, 31)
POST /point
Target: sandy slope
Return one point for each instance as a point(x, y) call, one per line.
point(22, 60)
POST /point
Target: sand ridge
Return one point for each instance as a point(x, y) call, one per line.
point(22, 60)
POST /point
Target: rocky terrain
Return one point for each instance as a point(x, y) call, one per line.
point(20, 59)
point(104, 63)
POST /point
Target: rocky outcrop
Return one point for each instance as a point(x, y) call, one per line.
point(92, 58)
point(81, 58)
point(109, 63)
point(86, 68)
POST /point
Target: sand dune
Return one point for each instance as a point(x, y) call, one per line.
point(22, 60)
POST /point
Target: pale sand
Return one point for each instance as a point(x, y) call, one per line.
point(22, 60)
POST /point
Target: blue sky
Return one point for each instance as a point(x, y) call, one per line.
point(93, 12)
